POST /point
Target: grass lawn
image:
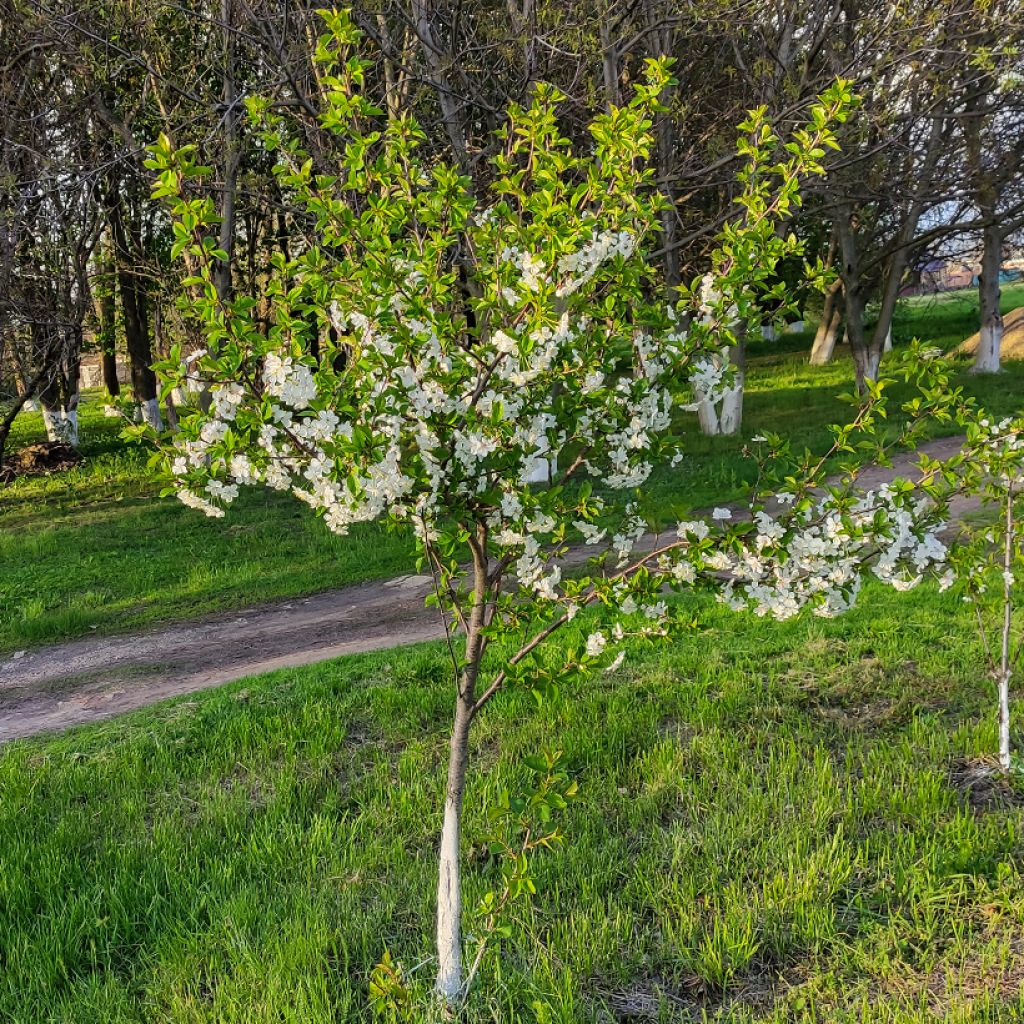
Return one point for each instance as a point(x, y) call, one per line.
point(773, 825)
point(95, 549)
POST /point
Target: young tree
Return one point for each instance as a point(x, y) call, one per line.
point(989, 568)
point(434, 345)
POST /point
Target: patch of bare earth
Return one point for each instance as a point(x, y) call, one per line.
point(656, 999)
point(40, 459)
point(982, 784)
point(973, 978)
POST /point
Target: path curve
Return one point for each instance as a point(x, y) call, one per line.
point(88, 680)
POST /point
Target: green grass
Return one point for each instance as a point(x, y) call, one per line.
point(770, 829)
point(95, 550)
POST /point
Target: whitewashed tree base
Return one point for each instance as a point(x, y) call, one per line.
point(541, 470)
point(990, 342)
point(148, 412)
point(724, 418)
point(61, 424)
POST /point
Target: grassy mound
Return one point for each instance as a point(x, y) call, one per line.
point(1012, 346)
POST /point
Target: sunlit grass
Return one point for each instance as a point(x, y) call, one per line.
point(95, 549)
point(770, 828)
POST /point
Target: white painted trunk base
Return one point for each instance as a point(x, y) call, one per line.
point(541, 470)
point(71, 427)
point(1004, 721)
point(61, 425)
point(725, 418)
point(825, 341)
point(52, 421)
point(990, 340)
point(149, 413)
point(449, 909)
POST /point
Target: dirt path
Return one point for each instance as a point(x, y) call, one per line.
point(87, 680)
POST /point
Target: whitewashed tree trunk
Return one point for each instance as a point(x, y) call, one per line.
point(53, 421)
point(730, 413)
point(987, 358)
point(887, 344)
point(1004, 721)
point(149, 412)
point(724, 416)
point(990, 341)
point(874, 363)
point(769, 333)
point(1006, 639)
point(71, 427)
point(707, 415)
point(31, 405)
point(541, 469)
point(450, 983)
point(826, 337)
point(61, 422)
point(450, 978)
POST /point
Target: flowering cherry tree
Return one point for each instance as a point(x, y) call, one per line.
point(490, 365)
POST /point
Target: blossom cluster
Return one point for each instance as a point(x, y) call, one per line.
point(500, 374)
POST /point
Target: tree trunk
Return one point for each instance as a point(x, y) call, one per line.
point(127, 252)
point(58, 397)
point(449, 886)
point(990, 339)
point(725, 418)
point(1004, 721)
point(439, 64)
point(450, 980)
point(730, 418)
point(864, 362)
point(828, 330)
point(110, 380)
point(609, 63)
point(105, 298)
point(226, 241)
point(541, 469)
point(1006, 654)
point(661, 35)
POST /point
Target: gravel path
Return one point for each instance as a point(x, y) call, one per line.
point(87, 680)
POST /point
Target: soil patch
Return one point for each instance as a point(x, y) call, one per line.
point(40, 459)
